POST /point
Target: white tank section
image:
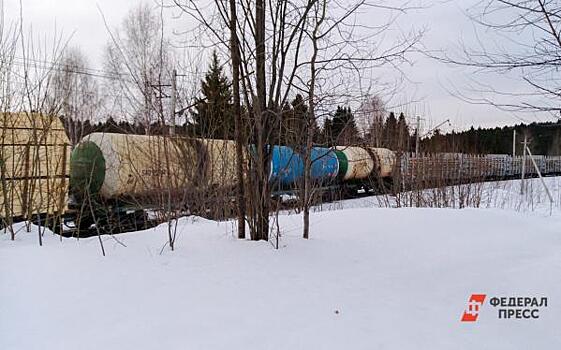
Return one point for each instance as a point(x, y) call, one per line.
point(385, 159)
point(360, 163)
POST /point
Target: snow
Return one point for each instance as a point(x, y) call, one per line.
point(368, 278)
point(493, 194)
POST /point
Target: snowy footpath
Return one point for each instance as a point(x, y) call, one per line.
point(369, 278)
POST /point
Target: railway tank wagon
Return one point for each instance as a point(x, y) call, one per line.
point(287, 167)
point(385, 161)
point(355, 163)
point(359, 164)
point(325, 165)
point(365, 168)
point(120, 175)
point(217, 163)
point(116, 165)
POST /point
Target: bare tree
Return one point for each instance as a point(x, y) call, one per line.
point(235, 55)
point(270, 38)
point(338, 49)
point(139, 58)
point(9, 41)
point(286, 48)
point(76, 92)
point(520, 38)
point(372, 113)
point(34, 147)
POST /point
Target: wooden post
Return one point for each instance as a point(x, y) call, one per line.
point(514, 143)
point(522, 185)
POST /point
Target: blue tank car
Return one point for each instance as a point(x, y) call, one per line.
point(325, 164)
point(287, 167)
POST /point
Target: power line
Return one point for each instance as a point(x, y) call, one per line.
point(72, 71)
point(61, 64)
point(60, 67)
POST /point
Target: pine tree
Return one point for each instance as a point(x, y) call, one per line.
point(213, 116)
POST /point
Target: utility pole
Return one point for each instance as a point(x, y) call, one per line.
point(522, 185)
point(514, 142)
point(541, 179)
point(417, 136)
point(147, 92)
point(159, 94)
point(173, 101)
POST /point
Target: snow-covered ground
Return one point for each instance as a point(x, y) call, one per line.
point(369, 278)
point(496, 194)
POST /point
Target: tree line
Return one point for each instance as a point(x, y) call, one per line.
point(544, 138)
point(212, 116)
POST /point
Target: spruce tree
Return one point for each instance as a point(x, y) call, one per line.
point(293, 123)
point(342, 129)
point(213, 116)
point(402, 133)
point(326, 132)
point(390, 132)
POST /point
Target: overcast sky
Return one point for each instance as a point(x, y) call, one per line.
point(430, 82)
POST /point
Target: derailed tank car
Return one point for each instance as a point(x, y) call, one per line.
point(124, 173)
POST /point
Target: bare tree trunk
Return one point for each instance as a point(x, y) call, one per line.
point(308, 168)
point(235, 54)
point(262, 126)
point(309, 122)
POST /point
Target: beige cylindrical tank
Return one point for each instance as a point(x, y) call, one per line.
point(220, 162)
point(359, 162)
point(134, 164)
point(385, 159)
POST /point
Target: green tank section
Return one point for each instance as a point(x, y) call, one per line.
point(343, 164)
point(87, 169)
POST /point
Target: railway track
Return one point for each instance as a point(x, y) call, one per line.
point(140, 220)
